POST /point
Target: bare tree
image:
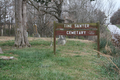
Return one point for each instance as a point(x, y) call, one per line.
point(115, 18)
point(54, 9)
point(39, 18)
point(20, 28)
point(6, 15)
point(20, 20)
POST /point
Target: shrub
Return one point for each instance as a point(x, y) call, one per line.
point(113, 50)
point(107, 47)
point(116, 40)
point(103, 43)
point(112, 67)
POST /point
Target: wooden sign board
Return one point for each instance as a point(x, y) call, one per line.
point(76, 33)
point(76, 29)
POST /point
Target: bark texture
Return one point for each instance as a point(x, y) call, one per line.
point(62, 39)
point(21, 38)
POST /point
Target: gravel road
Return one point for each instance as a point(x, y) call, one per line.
point(114, 29)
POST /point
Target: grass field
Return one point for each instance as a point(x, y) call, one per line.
point(118, 25)
point(76, 60)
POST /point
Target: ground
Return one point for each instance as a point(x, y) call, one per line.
point(6, 38)
point(76, 60)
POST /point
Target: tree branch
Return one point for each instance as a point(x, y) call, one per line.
point(48, 12)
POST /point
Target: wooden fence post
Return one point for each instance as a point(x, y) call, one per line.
point(98, 39)
point(54, 38)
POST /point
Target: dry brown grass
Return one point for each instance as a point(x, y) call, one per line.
point(7, 38)
point(116, 42)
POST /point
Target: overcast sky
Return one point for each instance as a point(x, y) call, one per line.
point(117, 6)
point(115, 3)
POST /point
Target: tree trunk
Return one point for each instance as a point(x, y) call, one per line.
point(20, 20)
point(62, 39)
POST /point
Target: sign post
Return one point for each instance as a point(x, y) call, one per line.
point(76, 29)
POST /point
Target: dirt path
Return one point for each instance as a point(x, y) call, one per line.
point(6, 38)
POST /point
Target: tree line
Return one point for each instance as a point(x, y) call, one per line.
point(42, 14)
point(115, 18)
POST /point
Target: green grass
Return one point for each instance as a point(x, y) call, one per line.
point(118, 25)
point(74, 61)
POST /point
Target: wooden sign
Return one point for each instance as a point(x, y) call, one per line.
point(76, 33)
point(76, 29)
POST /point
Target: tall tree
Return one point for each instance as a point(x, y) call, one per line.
point(20, 20)
point(21, 35)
